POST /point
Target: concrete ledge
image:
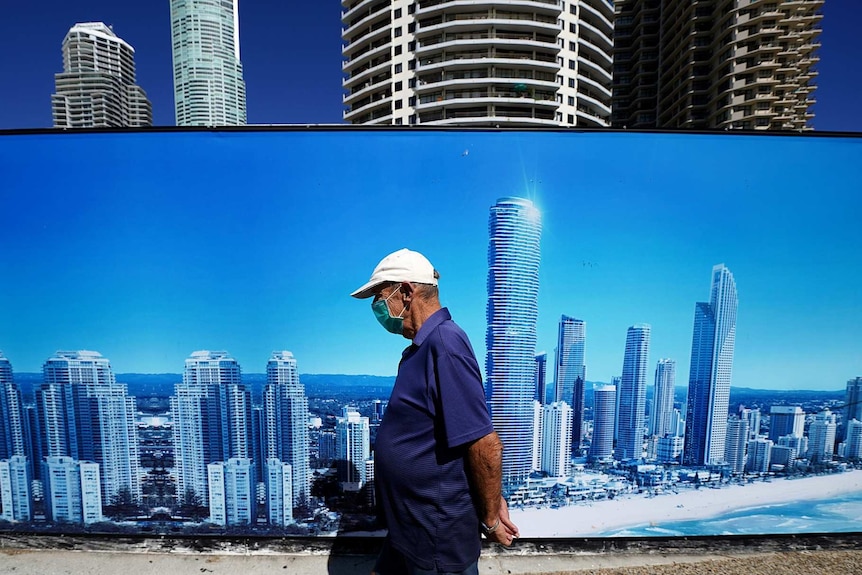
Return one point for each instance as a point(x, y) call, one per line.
point(38, 554)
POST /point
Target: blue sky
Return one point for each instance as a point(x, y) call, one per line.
point(146, 247)
point(291, 54)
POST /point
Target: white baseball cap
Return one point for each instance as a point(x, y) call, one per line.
point(401, 266)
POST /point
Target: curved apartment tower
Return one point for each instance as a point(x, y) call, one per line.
point(97, 88)
point(515, 229)
point(474, 63)
point(727, 64)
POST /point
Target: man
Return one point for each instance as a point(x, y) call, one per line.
point(437, 457)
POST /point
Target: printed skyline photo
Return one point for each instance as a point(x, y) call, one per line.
point(612, 270)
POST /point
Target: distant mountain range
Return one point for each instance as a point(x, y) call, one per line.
point(375, 386)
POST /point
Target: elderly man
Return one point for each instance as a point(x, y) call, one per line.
point(437, 457)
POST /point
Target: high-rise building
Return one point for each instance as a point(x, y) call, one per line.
point(542, 378)
point(797, 444)
point(515, 229)
point(15, 480)
point(448, 62)
point(571, 372)
point(736, 443)
point(352, 447)
point(279, 492)
point(97, 88)
point(786, 420)
point(604, 416)
point(556, 439)
point(538, 435)
point(853, 439)
point(208, 84)
point(669, 448)
point(709, 376)
point(286, 414)
point(852, 402)
point(232, 498)
point(728, 64)
point(212, 419)
point(72, 493)
point(821, 437)
point(759, 455)
point(752, 416)
point(633, 393)
point(661, 417)
point(11, 416)
point(86, 415)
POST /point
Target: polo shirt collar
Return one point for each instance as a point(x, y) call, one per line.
point(434, 320)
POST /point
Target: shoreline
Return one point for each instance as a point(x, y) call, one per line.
point(638, 510)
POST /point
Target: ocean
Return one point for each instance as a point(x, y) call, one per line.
point(843, 514)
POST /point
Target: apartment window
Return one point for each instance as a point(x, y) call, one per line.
point(397, 13)
point(398, 121)
point(573, 28)
point(412, 101)
point(398, 68)
point(411, 27)
point(399, 104)
point(412, 119)
point(398, 32)
point(573, 46)
point(398, 50)
point(572, 65)
point(571, 82)
point(411, 46)
point(571, 118)
point(411, 65)
point(571, 100)
point(560, 79)
point(411, 82)
point(398, 86)
point(412, 8)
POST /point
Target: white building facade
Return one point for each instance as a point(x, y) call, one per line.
point(352, 447)
point(457, 62)
point(15, 489)
point(557, 439)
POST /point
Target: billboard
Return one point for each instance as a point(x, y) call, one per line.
point(692, 325)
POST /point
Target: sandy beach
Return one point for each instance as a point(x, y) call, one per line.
point(638, 510)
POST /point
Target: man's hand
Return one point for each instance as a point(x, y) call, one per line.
point(506, 532)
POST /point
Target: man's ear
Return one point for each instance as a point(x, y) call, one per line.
point(407, 291)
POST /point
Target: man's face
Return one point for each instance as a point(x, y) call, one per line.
point(394, 294)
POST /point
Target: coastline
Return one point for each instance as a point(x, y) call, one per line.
point(630, 511)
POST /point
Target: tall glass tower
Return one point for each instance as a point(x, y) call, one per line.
point(286, 427)
point(662, 408)
point(11, 423)
point(571, 372)
point(709, 374)
point(86, 415)
point(213, 419)
point(515, 229)
point(208, 86)
point(633, 393)
point(604, 415)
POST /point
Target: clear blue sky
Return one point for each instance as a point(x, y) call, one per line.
point(291, 53)
point(146, 247)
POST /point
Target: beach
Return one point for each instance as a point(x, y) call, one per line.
point(594, 517)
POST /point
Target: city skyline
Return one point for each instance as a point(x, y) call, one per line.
point(292, 60)
point(141, 277)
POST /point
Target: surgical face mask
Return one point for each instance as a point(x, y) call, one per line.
point(381, 312)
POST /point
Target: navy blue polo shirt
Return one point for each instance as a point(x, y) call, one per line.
point(437, 407)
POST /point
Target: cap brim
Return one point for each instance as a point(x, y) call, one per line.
point(366, 290)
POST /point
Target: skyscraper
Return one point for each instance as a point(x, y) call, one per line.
point(633, 393)
point(853, 439)
point(86, 415)
point(212, 419)
point(821, 437)
point(746, 64)
point(72, 493)
point(663, 393)
point(515, 229)
point(710, 371)
point(286, 428)
point(279, 492)
point(208, 85)
point(520, 63)
point(96, 88)
point(11, 422)
point(786, 420)
point(542, 378)
point(232, 498)
point(352, 448)
point(556, 439)
point(735, 447)
point(571, 372)
point(604, 415)
point(852, 402)
point(759, 455)
point(15, 489)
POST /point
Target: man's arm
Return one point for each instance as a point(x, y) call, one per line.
point(485, 470)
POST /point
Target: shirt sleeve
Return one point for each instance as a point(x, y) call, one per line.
point(459, 398)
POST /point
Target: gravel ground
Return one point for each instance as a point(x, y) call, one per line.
point(789, 563)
